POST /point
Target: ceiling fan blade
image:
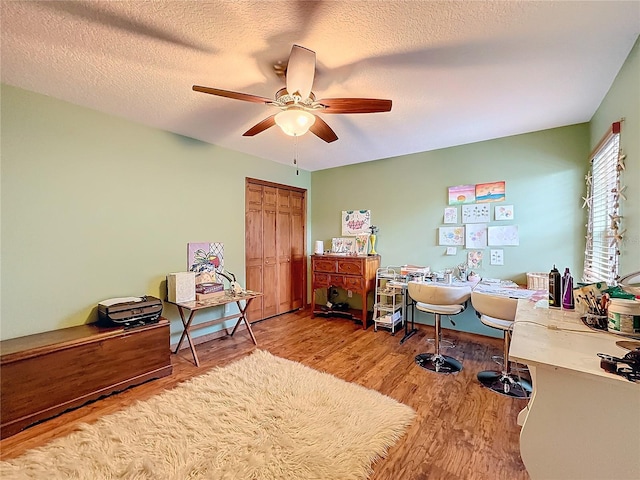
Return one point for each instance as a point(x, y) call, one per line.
point(260, 127)
point(235, 95)
point(355, 105)
point(322, 130)
point(301, 70)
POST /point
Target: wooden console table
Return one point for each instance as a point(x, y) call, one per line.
point(228, 297)
point(44, 374)
point(355, 273)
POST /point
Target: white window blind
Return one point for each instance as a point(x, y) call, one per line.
point(603, 183)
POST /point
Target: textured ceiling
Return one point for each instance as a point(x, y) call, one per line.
point(457, 72)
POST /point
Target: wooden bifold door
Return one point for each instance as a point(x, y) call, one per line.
point(275, 224)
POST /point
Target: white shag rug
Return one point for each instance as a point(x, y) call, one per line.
point(262, 417)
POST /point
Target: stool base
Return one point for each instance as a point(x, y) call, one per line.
point(505, 384)
point(438, 363)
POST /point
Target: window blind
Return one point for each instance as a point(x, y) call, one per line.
point(603, 183)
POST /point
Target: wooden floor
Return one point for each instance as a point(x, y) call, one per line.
point(462, 430)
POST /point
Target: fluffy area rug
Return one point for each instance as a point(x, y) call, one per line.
point(262, 417)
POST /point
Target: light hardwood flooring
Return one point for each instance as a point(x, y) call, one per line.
point(462, 430)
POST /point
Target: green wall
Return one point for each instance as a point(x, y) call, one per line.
point(543, 172)
point(623, 101)
point(95, 207)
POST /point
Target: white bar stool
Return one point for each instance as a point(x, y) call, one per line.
point(500, 312)
point(439, 300)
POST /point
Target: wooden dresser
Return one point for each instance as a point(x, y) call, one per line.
point(45, 374)
point(355, 273)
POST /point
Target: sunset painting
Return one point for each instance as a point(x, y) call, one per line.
point(490, 192)
point(461, 194)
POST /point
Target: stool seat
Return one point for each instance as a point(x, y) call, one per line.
point(439, 299)
point(499, 312)
point(496, 322)
point(441, 309)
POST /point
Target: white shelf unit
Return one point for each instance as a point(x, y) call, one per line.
point(389, 307)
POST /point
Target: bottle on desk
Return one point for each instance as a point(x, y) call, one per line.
point(567, 290)
point(555, 288)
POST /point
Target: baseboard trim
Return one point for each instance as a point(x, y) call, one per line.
point(223, 332)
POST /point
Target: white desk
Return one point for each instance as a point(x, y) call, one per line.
point(581, 422)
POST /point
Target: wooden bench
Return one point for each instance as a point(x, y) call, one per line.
point(43, 375)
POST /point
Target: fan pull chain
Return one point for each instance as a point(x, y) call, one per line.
point(295, 153)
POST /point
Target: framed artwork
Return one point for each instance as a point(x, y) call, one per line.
point(451, 236)
point(205, 257)
point(476, 213)
point(461, 194)
point(355, 222)
point(362, 244)
point(344, 245)
point(490, 192)
point(503, 212)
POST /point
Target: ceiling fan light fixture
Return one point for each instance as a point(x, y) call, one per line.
point(295, 121)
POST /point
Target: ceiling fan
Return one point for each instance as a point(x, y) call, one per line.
point(297, 102)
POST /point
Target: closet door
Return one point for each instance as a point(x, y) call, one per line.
point(275, 253)
point(298, 258)
point(283, 246)
point(253, 247)
point(270, 277)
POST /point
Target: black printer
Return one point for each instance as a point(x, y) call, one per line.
point(129, 311)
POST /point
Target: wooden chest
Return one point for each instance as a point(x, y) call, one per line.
point(45, 374)
point(355, 273)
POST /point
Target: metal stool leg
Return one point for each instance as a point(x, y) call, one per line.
point(504, 382)
point(437, 362)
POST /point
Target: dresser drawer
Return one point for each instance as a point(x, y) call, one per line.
point(337, 280)
point(353, 283)
point(321, 265)
point(321, 280)
point(351, 267)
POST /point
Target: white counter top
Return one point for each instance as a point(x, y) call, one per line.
point(581, 422)
point(558, 338)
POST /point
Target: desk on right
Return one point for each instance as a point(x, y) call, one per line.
point(581, 422)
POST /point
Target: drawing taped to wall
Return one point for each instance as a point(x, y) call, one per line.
point(476, 235)
point(451, 236)
point(497, 257)
point(461, 194)
point(355, 222)
point(490, 192)
point(506, 235)
point(476, 213)
point(503, 212)
point(205, 257)
point(452, 250)
point(451, 215)
point(474, 259)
